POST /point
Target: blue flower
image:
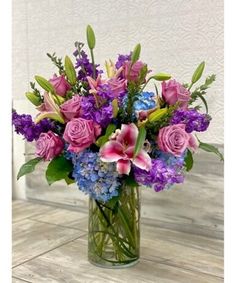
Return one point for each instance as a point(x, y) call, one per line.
point(94, 177)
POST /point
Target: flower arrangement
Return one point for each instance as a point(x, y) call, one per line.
point(101, 131)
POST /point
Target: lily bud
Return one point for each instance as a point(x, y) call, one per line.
point(34, 98)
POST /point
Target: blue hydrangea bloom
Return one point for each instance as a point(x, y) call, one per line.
point(145, 101)
point(94, 177)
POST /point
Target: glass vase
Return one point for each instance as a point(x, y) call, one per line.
point(114, 229)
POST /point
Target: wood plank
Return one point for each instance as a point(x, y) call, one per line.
point(18, 280)
point(187, 251)
point(64, 217)
point(24, 209)
point(68, 263)
point(32, 238)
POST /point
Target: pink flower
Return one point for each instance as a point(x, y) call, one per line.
point(173, 92)
point(118, 86)
point(174, 139)
point(94, 84)
point(49, 109)
point(120, 148)
point(133, 73)
point(72, 108)
point(49, 145)
point(60, 84)
point(80, 134)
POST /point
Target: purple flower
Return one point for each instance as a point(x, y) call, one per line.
point(85, 68)
point(193, 120)
point(25, 126)
point(121, 59)
point(161, 176)
point(102, 115)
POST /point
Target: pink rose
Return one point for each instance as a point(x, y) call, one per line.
point(72, 108)
point(49, 145)
point(118, 86)
point(174, 139)
point(134, 73)
point(173, 92)
point(81, 133)
point(60, 84)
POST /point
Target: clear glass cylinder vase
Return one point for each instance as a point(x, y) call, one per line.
point(114, 229)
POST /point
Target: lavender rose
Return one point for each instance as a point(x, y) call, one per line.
point(72, 108)
point(133, 73)
point(49, 145)
point(174, 139)
point(118, 86)
point(60, 84)
point(81, 133)
point(173, 92)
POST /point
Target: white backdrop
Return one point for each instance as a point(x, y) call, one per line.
point(176, 35)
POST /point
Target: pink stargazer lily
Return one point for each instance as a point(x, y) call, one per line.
point(120, 149)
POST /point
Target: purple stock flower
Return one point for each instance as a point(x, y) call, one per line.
point(102, 115)
point(193, 120)
point(25, 126)
point(85, 68)
point(161, 176)
point(121, 59)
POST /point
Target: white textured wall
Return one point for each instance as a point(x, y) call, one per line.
point(175, 35)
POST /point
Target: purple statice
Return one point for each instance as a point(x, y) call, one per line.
point(160, 177)
point(193, 120)
point(102, 115)
point(98, 179)
point(25, 126)
point(84, 66)
point(121, 59)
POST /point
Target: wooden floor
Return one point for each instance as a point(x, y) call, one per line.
point(50, 245)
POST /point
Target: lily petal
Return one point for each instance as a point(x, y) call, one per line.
point(143, 160)
point(128, 134)
point(123, 166)
point(111, 151)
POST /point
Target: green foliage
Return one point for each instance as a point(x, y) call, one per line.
point(45, 84)
point(91, 40)
point(198, 73)
point(188, 161)
point(130, 181)
point(210, 148)
point(200, 91)
point(103, 139)
point(136, 53)
point(57, 62)
point(58, 169)
point(70, 71)
point(28, 167)
point(140, 140)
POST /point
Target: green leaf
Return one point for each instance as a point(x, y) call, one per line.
point(210, 148)
point(188, 160)
point(90, 37)
point(161, 77)
point(28, 167)
point(136, 53)
point(69, 181)
point(58, 169)
point(198, 72)
point(70, 70)
point(45, 84)
point(140, 140)
point(130, 181)
point(103, 139)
